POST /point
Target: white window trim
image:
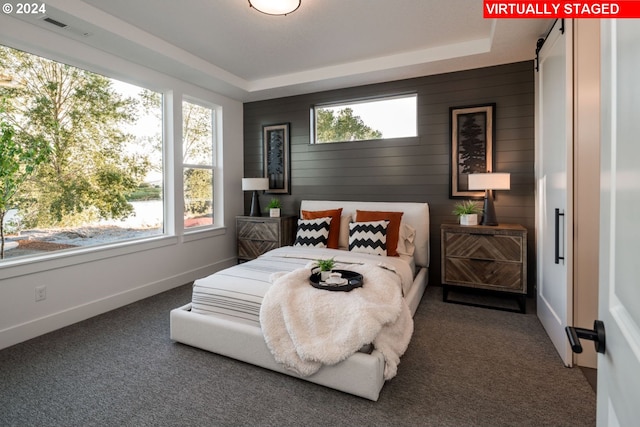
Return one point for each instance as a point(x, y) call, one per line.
point(59, 259)
point(218, 199)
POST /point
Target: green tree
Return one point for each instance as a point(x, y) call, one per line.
point(343, 127)
point(82, 118)
point(18, 161)
point(197, 153)
point(197, 191)
point(197, 148)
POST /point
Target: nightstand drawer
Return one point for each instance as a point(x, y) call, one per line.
point(259, 230)
point(477, 273)
point(257, 235)
point(250, 249)
point(483, 246)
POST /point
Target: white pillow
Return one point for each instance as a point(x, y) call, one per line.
point(406, 240)
point(313, 232)
point(343, 238)
point(368, 237)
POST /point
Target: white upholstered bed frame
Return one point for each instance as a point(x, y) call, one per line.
point(361, 374)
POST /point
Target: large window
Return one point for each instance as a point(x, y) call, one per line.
point(80, 157)
point(198, 143)
point(368, 119)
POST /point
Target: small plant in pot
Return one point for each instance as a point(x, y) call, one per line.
point(274, 208)
point(468, 212)
point(325, 266)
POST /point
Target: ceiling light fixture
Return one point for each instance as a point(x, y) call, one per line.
point(275, 7)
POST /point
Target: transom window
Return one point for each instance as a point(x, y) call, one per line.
point(365, 119)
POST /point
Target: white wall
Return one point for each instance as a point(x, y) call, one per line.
point(97, 280)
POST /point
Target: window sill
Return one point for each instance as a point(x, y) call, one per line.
point(370, 143)
point(203, 233)
point(69, 257)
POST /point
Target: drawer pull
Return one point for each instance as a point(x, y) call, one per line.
point(482, 259)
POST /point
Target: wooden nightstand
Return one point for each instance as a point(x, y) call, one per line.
point(487, 258)
point(259, 234)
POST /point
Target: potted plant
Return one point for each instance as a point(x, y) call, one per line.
point(468, 212)
point(274, 208)
point(325, 266)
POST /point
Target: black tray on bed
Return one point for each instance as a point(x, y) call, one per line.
point(354, 280)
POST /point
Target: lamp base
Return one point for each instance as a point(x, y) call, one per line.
point(489, 211)
point(255, 204)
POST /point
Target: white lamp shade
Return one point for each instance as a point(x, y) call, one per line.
point(275, 7)
point(490, 181)
point(251, 184)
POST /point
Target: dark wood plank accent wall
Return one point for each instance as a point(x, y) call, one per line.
point(408, 169)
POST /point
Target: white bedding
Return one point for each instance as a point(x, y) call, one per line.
point(306, 328)
point(236, 293)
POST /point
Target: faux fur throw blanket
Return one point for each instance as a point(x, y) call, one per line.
point(306, 328)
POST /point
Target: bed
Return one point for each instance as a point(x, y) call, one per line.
point(219, 322)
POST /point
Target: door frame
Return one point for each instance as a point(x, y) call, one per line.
point(586, 165)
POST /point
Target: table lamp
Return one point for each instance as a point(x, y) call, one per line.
point(489, 182)
point(255, 185)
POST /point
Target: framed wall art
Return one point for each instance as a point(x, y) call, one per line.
point(276, 157)
point(472, 131)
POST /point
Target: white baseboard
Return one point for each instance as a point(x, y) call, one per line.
point(34, 328)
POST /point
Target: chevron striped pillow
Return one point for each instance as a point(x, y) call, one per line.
point(313, 232)
point(368, 237)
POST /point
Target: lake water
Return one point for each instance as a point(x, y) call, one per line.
point(147, 214)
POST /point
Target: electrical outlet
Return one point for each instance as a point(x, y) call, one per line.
point(41, 293)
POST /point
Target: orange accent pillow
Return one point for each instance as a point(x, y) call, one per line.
point(393, 230)
point(334, 228)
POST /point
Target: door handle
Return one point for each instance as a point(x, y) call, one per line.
point(597, 335)
point(557, 236)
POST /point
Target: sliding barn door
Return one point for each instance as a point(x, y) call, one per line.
point(554, 136)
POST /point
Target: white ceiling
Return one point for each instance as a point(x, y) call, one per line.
point(228, 47)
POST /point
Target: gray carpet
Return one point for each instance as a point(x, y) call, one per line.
point(465, 366)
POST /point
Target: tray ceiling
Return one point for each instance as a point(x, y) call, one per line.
point(226, 46)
